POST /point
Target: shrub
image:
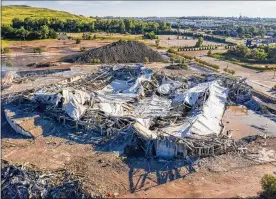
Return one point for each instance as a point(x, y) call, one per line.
point(9, 63)
point(209, 53)
point(268, 182)
point(38, 50)
point(146, 60)
point(231, 71)
point(274, 87)
point(5, 50)
point(150, 35)
point(78, 41)
point(83, 49)
point(94, 61)
point(225, 70)
point(171, 50)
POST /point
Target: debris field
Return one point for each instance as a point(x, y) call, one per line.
point(140, 111)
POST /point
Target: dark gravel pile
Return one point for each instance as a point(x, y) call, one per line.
point(117, 52)
point(21, 182)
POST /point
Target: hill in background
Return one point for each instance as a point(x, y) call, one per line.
point(117, 52)
point(10, 12)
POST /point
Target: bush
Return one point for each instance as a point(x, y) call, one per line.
point(78, 41)
point(269, 186)
point(5, 50)
point(94, 61)
point(231, 71)
point(146, 60)
point(171, 50)
point(9, 64)
point(209, 53)
point(274, 87)
point(150, 35)
point(82, 49)
point(38, 50)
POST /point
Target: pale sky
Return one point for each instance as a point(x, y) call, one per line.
point(158, 8)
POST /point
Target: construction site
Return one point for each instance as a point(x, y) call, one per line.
point(76, 130)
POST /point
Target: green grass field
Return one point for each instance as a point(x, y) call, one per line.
point(10, 12)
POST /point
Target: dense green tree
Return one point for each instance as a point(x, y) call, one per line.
point(199, 42)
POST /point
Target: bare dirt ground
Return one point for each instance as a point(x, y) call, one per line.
point(55, 46)
point(240, 182)
point(180, 42)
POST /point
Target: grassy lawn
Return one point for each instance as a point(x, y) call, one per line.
point(10, 12)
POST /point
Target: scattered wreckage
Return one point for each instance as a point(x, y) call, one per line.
point(164, 116)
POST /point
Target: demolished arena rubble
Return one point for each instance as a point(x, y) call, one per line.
point(162, 116)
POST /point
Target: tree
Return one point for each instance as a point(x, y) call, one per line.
point(52, 34)
point(44, 31)
point(199, 42)
point(22, 33)
point(157, 43)
point(262, 31)
point(240, 51)
point(122, 27)
point(150, 35)
point(241, 31)
point(272, 52)
point(258, 54)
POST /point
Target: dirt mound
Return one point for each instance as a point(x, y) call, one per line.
point(117, 52)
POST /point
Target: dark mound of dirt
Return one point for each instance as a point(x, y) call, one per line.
point(117, 52)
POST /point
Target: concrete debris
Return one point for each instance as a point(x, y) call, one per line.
point(166, 116)
point(24, 182)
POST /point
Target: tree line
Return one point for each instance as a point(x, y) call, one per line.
point(260, 54)
point(44, 28)
point(242, 31)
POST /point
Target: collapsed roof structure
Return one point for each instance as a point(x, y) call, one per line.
point(164, 116)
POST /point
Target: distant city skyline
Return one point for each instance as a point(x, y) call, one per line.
point(158, 8)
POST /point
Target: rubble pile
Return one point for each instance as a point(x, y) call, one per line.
point(167, 116)
point(23, 182)
point(117, 52)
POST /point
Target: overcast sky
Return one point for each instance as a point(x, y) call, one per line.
point(158, 8)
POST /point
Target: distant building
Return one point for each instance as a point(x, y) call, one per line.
point(270, 33)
